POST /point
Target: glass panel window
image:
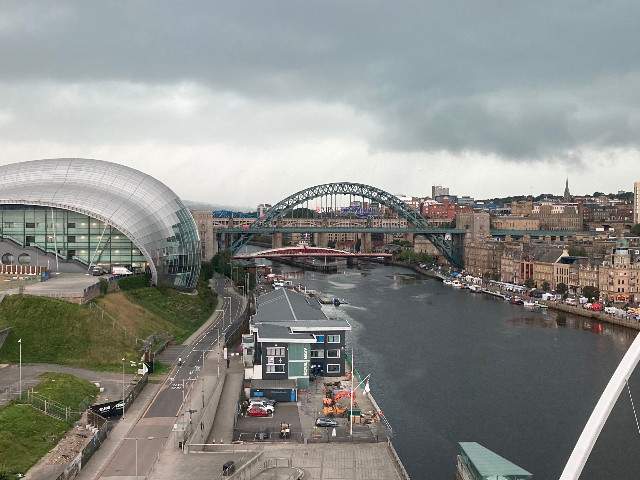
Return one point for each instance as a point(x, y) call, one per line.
point(317, 353)
point(333, 338)
point(333, 368)
point(333, 353)
point(320, 338)
point(30, 225)
point(276, 351)
point(277, 369)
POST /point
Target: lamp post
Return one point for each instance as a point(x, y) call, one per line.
point(242, 287)
point(123, 399)
point(203, 352)
point(20, 345)
point(222, 316)
point(136, 439)
point(353, 372)
point(229, 311)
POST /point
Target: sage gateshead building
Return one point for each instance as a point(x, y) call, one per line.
point(73, 214)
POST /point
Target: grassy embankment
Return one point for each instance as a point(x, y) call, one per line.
point(57, 332)
point(26, 434)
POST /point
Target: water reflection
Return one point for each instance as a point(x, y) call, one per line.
point(550, 319)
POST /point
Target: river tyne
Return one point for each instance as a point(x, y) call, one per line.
point(448, 366)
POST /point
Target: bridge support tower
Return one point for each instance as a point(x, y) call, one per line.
point(276, 240)
point(365, 243)
point(322, 239)
point(352, 261)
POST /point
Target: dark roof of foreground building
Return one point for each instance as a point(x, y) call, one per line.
point(148, 212)
point(295, 311)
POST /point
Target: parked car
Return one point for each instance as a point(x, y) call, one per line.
point(263, 434)
point(262, 399)
point(263, 404)
point(258, 411)
point(326, 422)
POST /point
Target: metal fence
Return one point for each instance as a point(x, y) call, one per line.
point(51, 408)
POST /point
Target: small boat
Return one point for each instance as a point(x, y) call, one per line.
point(456, 284)
point(529, 303)
point(446, 281)
point(475, 289)
point(539, 305)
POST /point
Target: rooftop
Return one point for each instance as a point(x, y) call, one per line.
point(490, 464)
point(295, 311)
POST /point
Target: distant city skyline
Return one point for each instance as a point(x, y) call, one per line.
point(234, 104)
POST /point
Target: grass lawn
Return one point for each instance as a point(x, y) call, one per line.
point(66, 389)
point(24, 432)
point(53, 331)
point(27, 434)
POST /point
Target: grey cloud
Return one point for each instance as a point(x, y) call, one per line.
point(455, 76)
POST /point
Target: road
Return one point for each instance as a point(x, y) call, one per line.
point(144, 442)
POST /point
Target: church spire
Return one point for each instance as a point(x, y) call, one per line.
point(567, 195)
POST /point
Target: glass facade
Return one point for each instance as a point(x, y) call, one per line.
point(100, 213)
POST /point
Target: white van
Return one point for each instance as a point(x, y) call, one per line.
point(120, 271)
point(571, 301)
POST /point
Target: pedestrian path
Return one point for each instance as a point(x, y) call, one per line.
point(103, 455)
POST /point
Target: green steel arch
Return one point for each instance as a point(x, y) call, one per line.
point(445, 246)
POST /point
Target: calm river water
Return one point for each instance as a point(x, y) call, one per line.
point(449, 366)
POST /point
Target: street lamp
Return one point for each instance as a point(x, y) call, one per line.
point(20, 344)
point(123, 399)
point(136, 439)
point(222, 316)
point(229, 311)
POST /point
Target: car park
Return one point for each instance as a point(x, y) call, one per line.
point(263, 434)
point(326, 422)
point(257, 411)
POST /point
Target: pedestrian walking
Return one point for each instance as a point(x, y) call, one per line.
point(227, 362)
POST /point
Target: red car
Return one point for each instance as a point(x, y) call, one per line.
point(257, 411)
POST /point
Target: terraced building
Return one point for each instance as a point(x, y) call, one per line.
point(72, 214)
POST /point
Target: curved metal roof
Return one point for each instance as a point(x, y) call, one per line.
point(141, 207)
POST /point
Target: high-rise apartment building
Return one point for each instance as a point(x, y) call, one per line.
point(438, 190)
point(636, 202)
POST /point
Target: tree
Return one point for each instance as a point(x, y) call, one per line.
point(592, 293)
point(562, 289)
point(635, 230)
point(577, 251)
point(546, 286)
point(529, 283)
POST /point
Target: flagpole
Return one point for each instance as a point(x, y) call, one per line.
point(353, 372)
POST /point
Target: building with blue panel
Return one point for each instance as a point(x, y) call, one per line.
point(294, 338)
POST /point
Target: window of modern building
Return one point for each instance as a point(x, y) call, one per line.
point(24, 259)
point(333, 368)
point(275, 368)
point(333, 338)
point(30, 225)
point(7, 259)
point(320, 338)
point(317, 353)
point(276, 351)
point(333, 353)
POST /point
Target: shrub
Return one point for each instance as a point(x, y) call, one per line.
point(134, 282)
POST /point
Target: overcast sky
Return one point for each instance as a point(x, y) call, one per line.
point(237, 102)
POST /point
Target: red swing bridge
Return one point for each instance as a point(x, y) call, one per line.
point(306, 251)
